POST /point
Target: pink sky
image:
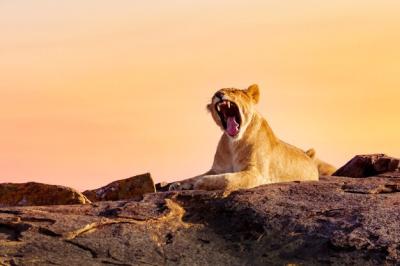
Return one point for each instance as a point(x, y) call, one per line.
point(95, 91)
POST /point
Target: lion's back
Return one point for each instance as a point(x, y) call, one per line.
point(289, 163)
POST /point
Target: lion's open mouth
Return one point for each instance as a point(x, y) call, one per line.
point(230, 116)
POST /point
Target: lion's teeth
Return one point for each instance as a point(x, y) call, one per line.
point(218, 108)
point(229, 104)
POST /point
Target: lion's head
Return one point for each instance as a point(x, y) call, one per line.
point(233, 109)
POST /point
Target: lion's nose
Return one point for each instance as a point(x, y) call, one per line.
point(219, 94)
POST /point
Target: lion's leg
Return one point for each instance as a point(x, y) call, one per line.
point(188, 183)
point(229, 181)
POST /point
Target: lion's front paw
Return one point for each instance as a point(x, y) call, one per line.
point(174, 186)
point(180, 186)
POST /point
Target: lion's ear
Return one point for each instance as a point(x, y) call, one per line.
point(254, 92)
point(311, 153)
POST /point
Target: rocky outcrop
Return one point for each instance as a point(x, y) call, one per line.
point(369, 165)
point(338, 220)
point(34, 194)
point(131, 188)
point(31, 194)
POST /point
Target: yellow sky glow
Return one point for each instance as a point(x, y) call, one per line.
point(95, 91)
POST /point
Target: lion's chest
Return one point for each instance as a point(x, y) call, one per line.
point(233, 156)
point(236, 163)
point(238, 158)
point(243, 156)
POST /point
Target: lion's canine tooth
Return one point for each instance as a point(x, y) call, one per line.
point(229, 104)
point(218, 108)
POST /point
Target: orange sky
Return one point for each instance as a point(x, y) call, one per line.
point(94, 91)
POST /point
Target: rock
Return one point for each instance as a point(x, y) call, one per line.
point(131, 188)
point(369, 165)
point(336, 221)
point(162, 186)
point(30, 194)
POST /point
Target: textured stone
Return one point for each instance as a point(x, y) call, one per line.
point(369, 165)
point(162, 186)
point(29, 194)
point(336, 221)
point(130, 188)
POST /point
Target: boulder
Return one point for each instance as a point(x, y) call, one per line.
point(130, 188)
point(30, 194)
point(369, 165)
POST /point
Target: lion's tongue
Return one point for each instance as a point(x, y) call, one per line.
point(232, 126)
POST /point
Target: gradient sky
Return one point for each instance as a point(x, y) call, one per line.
point(94, 91)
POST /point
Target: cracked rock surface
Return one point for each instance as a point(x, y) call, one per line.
point(336, 221)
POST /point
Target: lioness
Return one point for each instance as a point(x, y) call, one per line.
point(248, 153)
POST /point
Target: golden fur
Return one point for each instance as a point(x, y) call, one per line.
point(324, 168)
point(253, 157)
